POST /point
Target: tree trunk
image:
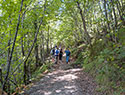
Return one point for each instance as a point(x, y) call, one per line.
point(30, 50)
point(48, 42)
point(36, 47)
point(36, 55)
point(22, 47)
point(8, 56)
point(43, 50)
point(84, 24)
point(106, 15)
point(11, 54)
point(120, 14)
point(115, 18)
point(8, 87)
point(22, 43)
point(1, 76)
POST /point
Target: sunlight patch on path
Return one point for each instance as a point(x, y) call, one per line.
point(63, 80)
point(67, 77)
point(60, 82)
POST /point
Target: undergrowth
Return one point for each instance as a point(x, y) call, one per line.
point(41, 70)
point(105, 60)
point(36, 76)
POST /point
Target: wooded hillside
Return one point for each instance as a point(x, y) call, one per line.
point(92, 29)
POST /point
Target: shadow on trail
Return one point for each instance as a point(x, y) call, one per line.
point(57, 83)
point(64, 80)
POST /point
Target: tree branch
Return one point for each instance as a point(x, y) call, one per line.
point(11, 54)
point(33, 44)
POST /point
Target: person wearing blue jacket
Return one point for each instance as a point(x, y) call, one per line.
point(67, 55)
point(56, 55)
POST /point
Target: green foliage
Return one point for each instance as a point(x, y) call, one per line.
point(62, 25)
point(31, 15)
point(107, 67)
point(121, 36)
point(38, 74)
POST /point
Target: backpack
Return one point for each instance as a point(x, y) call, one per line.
point(68, 53)
point(56, 52)
point(61, 53)
point(52, 52)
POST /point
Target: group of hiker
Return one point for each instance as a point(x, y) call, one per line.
point(57, 54)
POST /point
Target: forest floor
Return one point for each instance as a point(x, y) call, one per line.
point(64, 80)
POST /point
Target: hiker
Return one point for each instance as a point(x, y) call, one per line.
point(67, 55)
point(60, 55)
point(53, 54)
point(56, 55)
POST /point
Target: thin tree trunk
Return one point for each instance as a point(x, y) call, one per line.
point(36, 47)
point(122, 3)
point(106, 15)
point(22, 45)
point(22, 42)
point(43, 50)
point(115, 18)
point(34, 41)
point(36, 55)
point(1, 80)
point(8, 87)
point(11, 54)
point(120, 14)
point(84, 24)
point(102, 23)
point(8, 56)
point(28, 72)
point(48, 42)
point(41, 56)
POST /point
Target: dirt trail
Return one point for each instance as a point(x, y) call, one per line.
point(64, 80)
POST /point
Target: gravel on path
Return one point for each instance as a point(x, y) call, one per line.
point(64, 81)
